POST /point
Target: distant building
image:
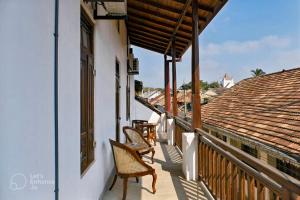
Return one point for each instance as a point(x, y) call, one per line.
point(151, 94)
point(227, 81)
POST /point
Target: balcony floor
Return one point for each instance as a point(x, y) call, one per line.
point(170, 184)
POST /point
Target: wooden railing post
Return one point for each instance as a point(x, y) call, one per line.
point(174, 78)
point(167, 85)
point(196, 101)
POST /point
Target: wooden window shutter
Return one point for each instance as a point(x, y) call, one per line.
point(87, 73)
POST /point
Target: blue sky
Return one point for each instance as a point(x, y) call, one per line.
point(246, 34)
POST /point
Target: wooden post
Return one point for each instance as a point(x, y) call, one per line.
point(167, 86)
point(174, 78)
point(196, 104)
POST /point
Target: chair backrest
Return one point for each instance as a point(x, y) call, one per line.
point(138, 121)
point(126, 160)
point(134, 136)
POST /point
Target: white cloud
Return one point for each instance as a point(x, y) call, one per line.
point(242, 47)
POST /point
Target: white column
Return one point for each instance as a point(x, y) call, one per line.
point(171, 131)
point(190, 155)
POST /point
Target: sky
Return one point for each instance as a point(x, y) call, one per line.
point(245, 35)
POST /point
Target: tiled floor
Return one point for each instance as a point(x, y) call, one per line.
point(170, 184)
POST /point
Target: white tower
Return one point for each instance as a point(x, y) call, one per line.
point(227, 81)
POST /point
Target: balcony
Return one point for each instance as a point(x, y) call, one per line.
point(223, 171)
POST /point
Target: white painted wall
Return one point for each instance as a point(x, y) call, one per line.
point(26, 101)
point(141, 112)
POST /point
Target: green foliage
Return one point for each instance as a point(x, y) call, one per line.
point(138, 86)
point(214, 84)
point(204, 85)
point(257, 72)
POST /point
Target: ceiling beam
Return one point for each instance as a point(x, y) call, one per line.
point(161, 30)
point(216, 10)
point(147, 47)
point(156, 21)
point(135, 8)
point(152, 24)
point(168, 8)
point(161, 41)
point(140, 40)
point(185, 8)
point(155, 35)
point(200, 6)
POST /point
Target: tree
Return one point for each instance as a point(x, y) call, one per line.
point(138, 87)
point(214, 84)
point(257, 72)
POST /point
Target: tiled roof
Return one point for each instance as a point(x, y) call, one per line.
point(159, 100)
point(265, 109)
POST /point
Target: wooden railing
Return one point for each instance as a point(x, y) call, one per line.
point(181, 126)
point(230, 173)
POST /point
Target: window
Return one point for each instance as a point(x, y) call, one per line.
point(86, 94)
point(128, 99)
point(249, 150)
point(118, 26)
point(288, 168)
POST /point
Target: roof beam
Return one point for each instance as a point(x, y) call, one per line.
point(155, 35)
point(158, 22)
point(151, 24)
point(167, 32)
point(147, 47)
point(200, 6)
point(185, 8)
point(150, 38)
point(216, 10)
point(168, 8)
point(160, 15)
point(147, 42)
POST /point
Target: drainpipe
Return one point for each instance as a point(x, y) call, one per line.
point(56, 188)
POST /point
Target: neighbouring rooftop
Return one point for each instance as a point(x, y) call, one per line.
point(265, 109)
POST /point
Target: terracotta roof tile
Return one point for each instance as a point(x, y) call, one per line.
point(265, 108)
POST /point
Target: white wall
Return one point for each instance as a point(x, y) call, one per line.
point(141, 112)
point(26, 101)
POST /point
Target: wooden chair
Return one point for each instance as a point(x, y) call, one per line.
point(137, 123)
point(133, 135)
point(128, 164)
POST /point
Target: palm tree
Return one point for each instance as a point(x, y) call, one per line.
point(257, 72)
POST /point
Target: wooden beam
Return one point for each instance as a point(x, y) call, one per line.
point(135, 8)
point(157, 22)
point(174, 78)
point(155, 35)
point(151, 24)
point(196, 100)
point(200, 6)
point(140, 30)
point(146, 47)
point(162, 47)
point(167, 86)
point(168, 8)
point(168, 32)
point(216, 10)
point(186, 5)
point(151, 39)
